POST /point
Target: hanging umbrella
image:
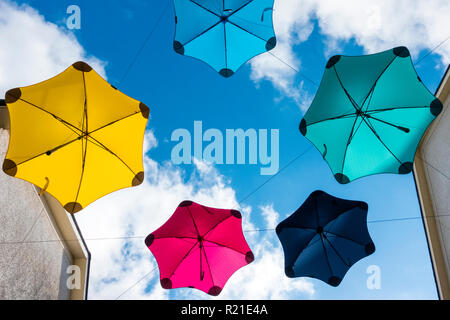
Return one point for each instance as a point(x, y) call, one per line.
point(76, 136)
point(325, 237)
point(369, 114)
point(199, 247)
point(224, 33)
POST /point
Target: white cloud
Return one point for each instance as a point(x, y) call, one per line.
point(34, 49)
point(118, 264)
point(375, 25)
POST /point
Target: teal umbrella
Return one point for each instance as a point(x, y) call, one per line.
point(369, 114)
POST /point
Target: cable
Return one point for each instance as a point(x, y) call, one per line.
point(301, 74)
point(134, 285)
point(432, 50)
point(150, 34)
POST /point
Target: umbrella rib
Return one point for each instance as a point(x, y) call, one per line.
point(209, 267)
point(396, 108)
point(84, 149)
point(334, 118)
point(175, 237)
point(238, 26)
point(326, 254)
point(225, 40)
point(378, 137)
point(202, 33)
point(239, 9)
point(348, 143)
point(337, 253)
point(376, 81)
point(217, 224)
point(204, 8)
point(182, 260)
point(344, 237)
point(102, 146)
point(223, 245)
point(404, 129)
point(353, 102)
point(193, 220)
point(113, 122)
point(53, 115)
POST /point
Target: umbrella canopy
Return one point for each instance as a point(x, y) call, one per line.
point(325, 237)
point(369, 114)
point(199, 247)
point(224, 33)
point(76, 136)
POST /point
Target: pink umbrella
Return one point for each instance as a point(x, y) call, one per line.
point(199, 247)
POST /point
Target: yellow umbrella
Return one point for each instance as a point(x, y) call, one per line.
point(76, 136)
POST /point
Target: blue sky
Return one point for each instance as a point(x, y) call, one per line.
point(180, 90)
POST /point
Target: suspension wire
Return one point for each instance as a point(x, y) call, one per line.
point(432, 50)
point(134, 285)
point(144, 44)
point(296, 70)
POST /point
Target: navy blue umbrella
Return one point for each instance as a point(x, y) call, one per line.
point(224, 33)
point(325, 237)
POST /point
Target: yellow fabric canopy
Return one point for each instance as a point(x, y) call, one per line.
point(76, 136)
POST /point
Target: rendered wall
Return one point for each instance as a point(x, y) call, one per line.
point(432, 171)
point(31, 270)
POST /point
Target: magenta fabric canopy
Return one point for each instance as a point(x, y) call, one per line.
point(200, 247)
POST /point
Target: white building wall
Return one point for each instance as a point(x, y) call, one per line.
point(34, 270)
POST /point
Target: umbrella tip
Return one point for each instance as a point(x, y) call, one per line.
point(406, 168)
point(226, 73)
point(333, 60)
point(215, 291)
point(436, 107)
point(334, 281)
point(149, 240)
point(401, 52)
point(236, 214)
point(186, 203)
point(342, 178)
point(13, 95)
point(166, 283)
point(82, 66)
point(303, 127)
point(178, 47)
point(2, 103)
point(370, 248)
point(271, 43)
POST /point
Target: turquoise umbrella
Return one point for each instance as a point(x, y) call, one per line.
point(369, 114)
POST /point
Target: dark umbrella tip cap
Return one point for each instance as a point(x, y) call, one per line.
point(226, 73)
point(82, 66)
point(406, 168)
point(303, 127)
point(333, 60)
point(401, 52)
point(178, 47)
point(215, 291)
point(149, 240)
point(334, 281)
point(370, 248)
point(13, 95)
point(186, 203)
point(249, 257)
point(236, 214)
point(166, 283)
point(289, 271)
point(271, 43)
point(342, 178)
point(436, 107)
